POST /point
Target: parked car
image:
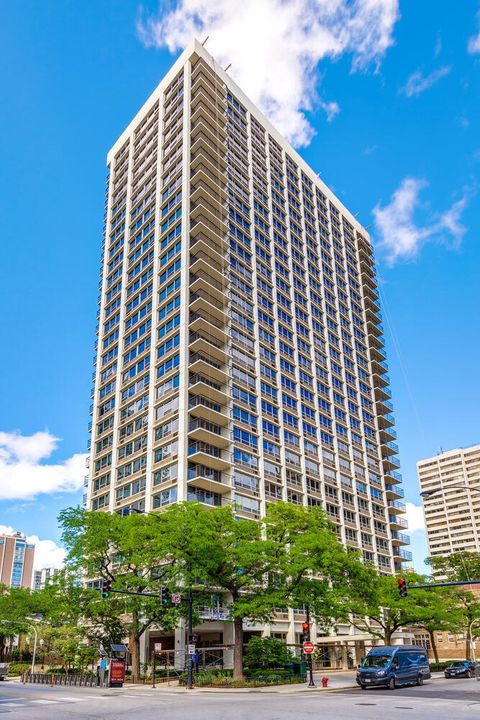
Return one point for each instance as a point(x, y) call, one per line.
point(3, 670)
point(394, 665)
point(464, 668)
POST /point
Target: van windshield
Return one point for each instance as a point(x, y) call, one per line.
point(376, 661)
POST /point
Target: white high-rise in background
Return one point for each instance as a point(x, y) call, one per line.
point(452, 514)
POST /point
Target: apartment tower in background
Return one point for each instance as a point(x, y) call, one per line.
point(16, 561)
point(240, 352)
point(452, 515)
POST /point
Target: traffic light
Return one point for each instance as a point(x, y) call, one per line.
point(402, 587)
point(305, 632)
point(165, 596)
point(106, 588)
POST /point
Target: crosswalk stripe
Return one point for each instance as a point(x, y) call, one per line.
point(45, 702)
point(12, 704)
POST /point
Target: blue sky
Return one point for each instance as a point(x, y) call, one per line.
point(387, 111)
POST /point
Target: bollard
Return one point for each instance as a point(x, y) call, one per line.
point(324, 682)
point(52, 680)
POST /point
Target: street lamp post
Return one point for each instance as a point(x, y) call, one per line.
point(34, 655)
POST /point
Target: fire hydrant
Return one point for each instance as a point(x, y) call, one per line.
point(324, 682)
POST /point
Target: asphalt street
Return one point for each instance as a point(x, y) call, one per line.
point(439, 699)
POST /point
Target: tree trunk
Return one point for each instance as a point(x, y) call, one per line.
point(388, 637)
point(433, 645)
point(238, 649)
point(134, 648)
point(468, 643)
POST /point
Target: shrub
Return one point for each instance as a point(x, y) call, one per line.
point(17, 668)
point(267, 652)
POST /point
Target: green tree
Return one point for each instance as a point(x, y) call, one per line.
point(384, 611)
point(312, 567)
point(19, 607)
point(462, 567)
point(289, 558)
point(267, 652)
point(125, 550)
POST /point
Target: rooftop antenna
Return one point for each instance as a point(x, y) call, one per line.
point(357, 214)
point(203, 43)
point(228, 67)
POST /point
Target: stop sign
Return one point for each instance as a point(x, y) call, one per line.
point(308, 647)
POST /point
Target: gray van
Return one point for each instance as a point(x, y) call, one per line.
point(394, 665)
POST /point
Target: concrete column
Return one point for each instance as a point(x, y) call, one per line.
point(144, 647)
point(228, 638)
point(344, 648)
point(180, 648)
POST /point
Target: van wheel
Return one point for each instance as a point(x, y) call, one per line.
point(364, 687)
point(420, 680)
point(392, 684)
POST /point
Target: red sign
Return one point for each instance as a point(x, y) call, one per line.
point(117, 672)
point(308, 647)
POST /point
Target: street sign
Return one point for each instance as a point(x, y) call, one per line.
point(191, 650)
point(176, 598)
point(157, 647)
point(308, 647)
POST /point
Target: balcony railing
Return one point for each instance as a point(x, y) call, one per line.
point(197, 447)
point(397, 490)
point(401, 537)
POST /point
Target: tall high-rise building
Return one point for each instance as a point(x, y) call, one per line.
point(16, 561)
point(452, 514)
point(240, 353)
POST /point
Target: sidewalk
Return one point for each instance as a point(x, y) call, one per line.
point(336, 681)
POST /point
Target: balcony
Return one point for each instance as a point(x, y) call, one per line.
point(202, 364)
point(382, 392)
point(204, 324)
point(203, 284)
point(205, 431)
point(208, 410)
point(394, 490)
point(387, 434)
point(207, 345)
point(202, 385)
point(405, 555)
point(396, 505)
point(388, 449)
point(397, 522)
point(400, 538)
point(208, 479)
point(390, 463)
point(207, 455)
point(385, 420)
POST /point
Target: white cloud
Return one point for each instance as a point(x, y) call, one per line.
point(415, 518)
point(473, 46)
point(47, 553)
point(398, 234)
point(275, 46)
point(23, 472)
point(417, 83)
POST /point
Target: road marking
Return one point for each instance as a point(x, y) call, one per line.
point(45, 702)
point(12, 704)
